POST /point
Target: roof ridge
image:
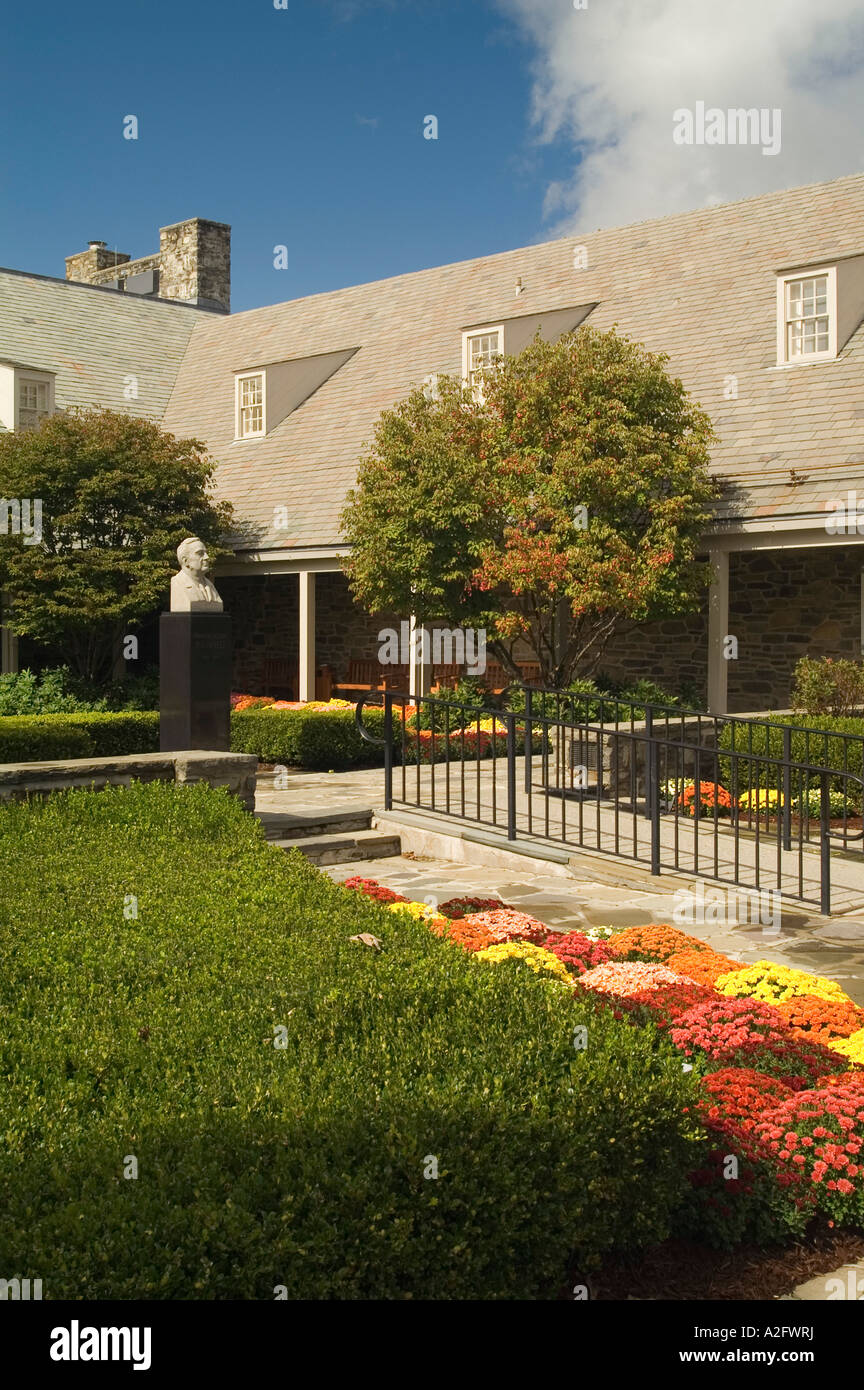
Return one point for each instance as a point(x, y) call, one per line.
point(714, 209)
point(108, 289)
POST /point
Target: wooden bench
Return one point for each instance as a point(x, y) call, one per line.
point(371, 675)
point(495, 678)
point(282, 679)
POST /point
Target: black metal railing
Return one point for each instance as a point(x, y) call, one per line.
point(721, 797)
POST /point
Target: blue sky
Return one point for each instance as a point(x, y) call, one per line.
point(301, 127)
point(304, 126)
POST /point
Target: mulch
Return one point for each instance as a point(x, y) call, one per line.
point(679, 1269)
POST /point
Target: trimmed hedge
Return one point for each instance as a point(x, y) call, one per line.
point(319, 741)
point(45, 737)
point(308, 1165)
point(813, 745)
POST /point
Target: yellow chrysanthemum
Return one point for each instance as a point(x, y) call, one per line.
point(851, 1047)
point(535, 957)
point(773, 984)
point(422, 911)
point(761, 797)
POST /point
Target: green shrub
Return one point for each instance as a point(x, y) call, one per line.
point(825, 686)
point(139, 692)
point(467, 701)
point(316, 740)
point(303, 1165)
point(814, 746)
point(23, 692)
point(58, 691)
point(43, 738)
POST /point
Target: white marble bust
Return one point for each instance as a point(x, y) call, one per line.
point(192, 590)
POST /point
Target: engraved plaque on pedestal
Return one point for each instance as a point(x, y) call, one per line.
point(195, 681)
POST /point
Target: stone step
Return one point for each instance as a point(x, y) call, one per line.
point(288, 825)
point(344, 848)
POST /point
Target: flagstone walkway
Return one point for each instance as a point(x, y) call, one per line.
point(805, 940)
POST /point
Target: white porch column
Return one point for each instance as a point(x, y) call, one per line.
point(419, 659)
point(307, 635)
point(8, 647)
point(718, 629)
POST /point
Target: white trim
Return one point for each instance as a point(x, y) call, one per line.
point(807, 273)
point(282, 562)
point(469, 333)
point(25, 376)
point(240, 377)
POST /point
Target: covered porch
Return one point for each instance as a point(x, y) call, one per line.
point(779, 591)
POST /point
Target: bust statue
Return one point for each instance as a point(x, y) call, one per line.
point(192, 590)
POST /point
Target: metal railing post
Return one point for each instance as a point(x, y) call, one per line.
point(649, 764)
point(654, 783)
point(787, 787)
point(511, 775)
point(529, 702)
point(825, 846)
point(388, 751)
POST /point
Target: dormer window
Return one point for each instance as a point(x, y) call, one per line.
point(479, 352)
point(807, 316)
point(34, 402)
point(250, 405)
point(26, 396)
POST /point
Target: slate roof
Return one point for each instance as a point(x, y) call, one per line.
point(93, 338)
point(700, 286)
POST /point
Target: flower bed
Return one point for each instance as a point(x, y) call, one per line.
point(424, 746)
point(777, 1062)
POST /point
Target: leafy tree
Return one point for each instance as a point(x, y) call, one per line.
point(117, 496)
point(559, 509)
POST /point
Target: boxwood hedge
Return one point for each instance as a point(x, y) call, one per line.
point(43, 737)
point(817, 744)
point(148, 1043)
point(318, 740)
point(315, 740)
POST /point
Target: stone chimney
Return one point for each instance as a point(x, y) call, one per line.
point(86, 263)
point(193, 264)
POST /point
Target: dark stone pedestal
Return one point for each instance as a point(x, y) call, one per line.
point(194, 681)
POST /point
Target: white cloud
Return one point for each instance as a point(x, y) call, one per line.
point(608, 79)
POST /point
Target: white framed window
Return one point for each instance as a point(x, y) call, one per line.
point(807, 316)
point(250, 405)
point(35, 401)
point(480, 348)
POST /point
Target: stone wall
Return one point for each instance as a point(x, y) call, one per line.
point(783, 604)
point(265, 614)
point(120, 272)
point(234, 771)
point(265, 623)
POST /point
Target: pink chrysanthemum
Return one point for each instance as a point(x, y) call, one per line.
point(624, 978)
point(506, 924)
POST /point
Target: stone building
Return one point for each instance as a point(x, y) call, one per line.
point(759, 305)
